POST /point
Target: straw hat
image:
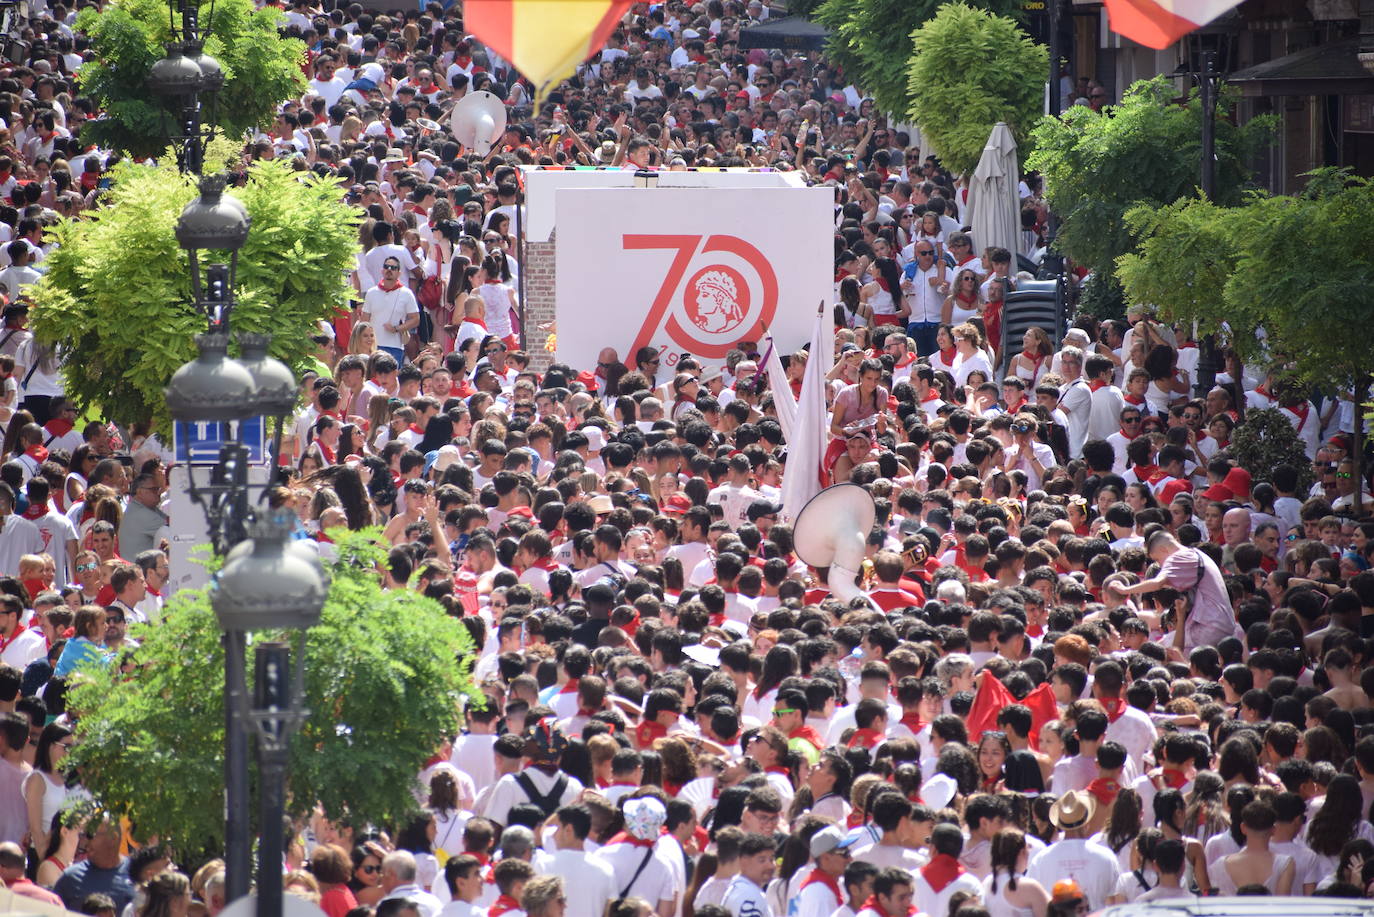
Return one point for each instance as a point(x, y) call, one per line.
point(1073, 810)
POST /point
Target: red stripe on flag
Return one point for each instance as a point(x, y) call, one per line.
point(492, 22)
point(1147, 22)
point(607, 25)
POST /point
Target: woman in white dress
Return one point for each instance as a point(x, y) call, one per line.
point(965, 300)
point(1034, 359)
point(1007, 892)
point(969, 355)
point(45, 789)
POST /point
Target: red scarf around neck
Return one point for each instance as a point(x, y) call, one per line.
point(872, 904)
point(1105, 789)
point(821, 877)
point(947, 354)
point(808, 733)
point(912, 720)
point(624, 837)
point(942, 870)
point(503, 904)
point(864, 738)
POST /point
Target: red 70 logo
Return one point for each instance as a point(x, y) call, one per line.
point(716, 298)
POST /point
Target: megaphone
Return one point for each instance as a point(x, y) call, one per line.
point(478, 121)
point(832, 531)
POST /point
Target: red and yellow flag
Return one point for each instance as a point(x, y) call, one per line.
point(544, 39)
point(1159, 23)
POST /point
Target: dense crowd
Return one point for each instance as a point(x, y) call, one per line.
point(1091, 660)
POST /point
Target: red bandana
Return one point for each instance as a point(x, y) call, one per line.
point(821, 877)
point(872, 905)
point(503, 904)
point(1097, 384)
point(648, 731)
point(808, 733)
point(625, 837)
point(572, 684)
point(942, 870)
point(912, 721)
point(1115, 707)
point(947, 354)
point(37, 452)
point(1133, 399)
point(864, 738)
point(1105, 789)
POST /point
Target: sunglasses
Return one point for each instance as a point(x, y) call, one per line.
point(86, 568)
point(1130, 420)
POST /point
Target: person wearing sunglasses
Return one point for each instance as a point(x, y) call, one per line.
point(366, 883)
point(391, 309)
point(1026, 453)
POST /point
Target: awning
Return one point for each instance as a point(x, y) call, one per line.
point(791, 32)
point(1323, 70)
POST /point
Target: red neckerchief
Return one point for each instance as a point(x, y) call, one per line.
point(59, 426)
point(1174, 780)
point(821, 877)
point(947, 354)
point(1115, 707)
point(1013, 408)
point(570, 686)
point(37, 452)
point(854, 819)
point(1159, 476)
point(503, 904)
point(777, 769)
point(1129, 436)
point(1146, 472)
point(36, 511)
point(1105, 789)
point(647, 731)
point(941, 870)
point(1261, 390)
point(480, 323)
point(1268, 564)
point(1096, 384)
point(808, 733)
point(388, 289)
point(912, 720)
point(872, 904)
point(624, 837)
point(1133, 399)
point(1300, 412)
point(327, 452)
point(864, 738)
point(546, 564)
point(415, 428)
point(6, 641)
point(1035, 630)
point(932, 395)
point(905, 361)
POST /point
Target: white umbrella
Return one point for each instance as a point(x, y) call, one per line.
point(993, 194)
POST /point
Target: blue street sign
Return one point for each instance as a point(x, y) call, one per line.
point(199, 443)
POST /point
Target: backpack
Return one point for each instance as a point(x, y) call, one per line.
point(546, 802)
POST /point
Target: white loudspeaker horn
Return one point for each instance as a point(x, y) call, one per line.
point(478, 121)
point(832, 531)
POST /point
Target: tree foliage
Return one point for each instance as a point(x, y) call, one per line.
point(385, 671)
point(1146, 151)
point(117, 293)
point(1267, 440)
point(261, 69)
point(1287, 276)
point(969, 70)
point(871, 41)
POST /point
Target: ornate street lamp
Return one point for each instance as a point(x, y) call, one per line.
point(266, 581)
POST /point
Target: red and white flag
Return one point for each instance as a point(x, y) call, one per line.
point(1159, 23)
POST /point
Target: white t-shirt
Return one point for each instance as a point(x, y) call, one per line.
point(389, 307)
point(18, 536)
point(745, 899)
point(654, 883)
point(1093, 867)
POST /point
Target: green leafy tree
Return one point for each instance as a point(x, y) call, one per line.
point(1296, 267)
point(116, 296)
point(1147, 151)
point(1285, 277)
point(871, 40)
point(969, 70)
point(385, 673)
point(261, 69)
point(1267, 440)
